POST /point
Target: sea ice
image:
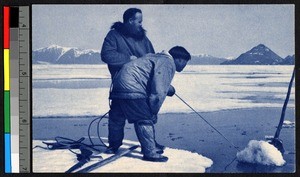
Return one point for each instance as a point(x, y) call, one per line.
point(180, 161)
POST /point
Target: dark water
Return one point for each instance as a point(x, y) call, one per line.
point(189, 132)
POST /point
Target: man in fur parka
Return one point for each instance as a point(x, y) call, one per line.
point(125, 41)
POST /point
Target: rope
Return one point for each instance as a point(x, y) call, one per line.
point(208, 123)
point(66, 143)
point(225, 169)
point(98, 132)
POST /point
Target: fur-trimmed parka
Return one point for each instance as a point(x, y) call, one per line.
point(120, 43)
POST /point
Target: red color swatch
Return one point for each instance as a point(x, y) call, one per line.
point(6, 27)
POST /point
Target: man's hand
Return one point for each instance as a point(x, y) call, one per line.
point(171, 91)
point(154, 119)
point(133, 57)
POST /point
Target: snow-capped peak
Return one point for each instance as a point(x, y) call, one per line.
point(64, 49)
point(54, 47)
point(260, 49)
point(230, 58)
point(77, 51)
point(259, 54)
point(66, 55)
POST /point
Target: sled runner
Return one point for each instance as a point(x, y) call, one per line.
point(107, 160)
point(83, 158)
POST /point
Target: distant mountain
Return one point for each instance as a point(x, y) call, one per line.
point(55, 54)
point(289, 60)
point(205, 59)
point(48, 54)
point(259, 55)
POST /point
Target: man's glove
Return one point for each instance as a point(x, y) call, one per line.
point(171, 91)
point(154, 119)
point(133, 57)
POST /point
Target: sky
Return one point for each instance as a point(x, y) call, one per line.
point(217, 30)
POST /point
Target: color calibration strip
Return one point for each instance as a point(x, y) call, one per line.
point(7, 133)
point(17, 84)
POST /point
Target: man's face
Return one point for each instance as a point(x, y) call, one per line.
point(136, 21)
point(180, 64)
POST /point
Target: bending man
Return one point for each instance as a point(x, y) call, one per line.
point(139, 90)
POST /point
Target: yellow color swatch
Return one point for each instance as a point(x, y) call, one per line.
point(6, 70)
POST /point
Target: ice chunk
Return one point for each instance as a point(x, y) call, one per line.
point(288, 124)
point(261, 152)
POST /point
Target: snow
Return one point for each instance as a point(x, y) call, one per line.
point(84, 89)
point(179, 161)
point(230, 58)
point(261, 152)
point(76, 50)
point(64, 49)
point(88, 51)
point(256, 53)
point(288, 124)
point(69, 72)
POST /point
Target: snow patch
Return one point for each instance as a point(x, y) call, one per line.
point(64, 49)
point(256, 53)
point(288, 124)
point(179, 161)
point(79, 52)
point(221, 95)
point(230, 58)
point(76, 50)
point(261, 152)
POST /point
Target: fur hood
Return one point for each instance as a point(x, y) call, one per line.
point(121, 28)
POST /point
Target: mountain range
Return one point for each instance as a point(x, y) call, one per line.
point(259, 55)
point(55, 54)
point(204, 59)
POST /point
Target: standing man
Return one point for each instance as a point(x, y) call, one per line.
point(139, 90)
point(125, 41)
